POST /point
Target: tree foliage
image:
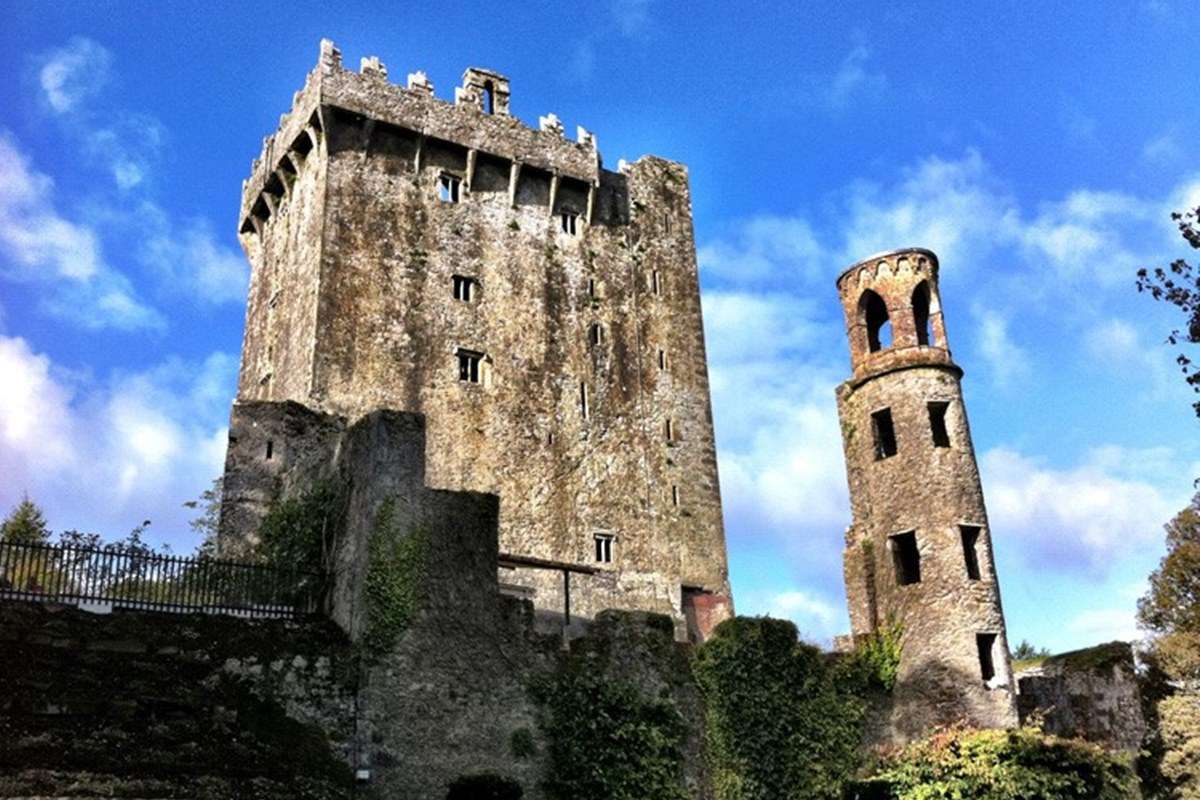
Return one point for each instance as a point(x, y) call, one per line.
point(781, 721)
point(1021, 764)
point(1179, 285)
point(1171, 607)
point(205, 526)
point(1027, 652)
point(25, 525)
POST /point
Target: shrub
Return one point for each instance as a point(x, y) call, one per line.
point(1021, 764)
point(779, 726)
point(484, 786)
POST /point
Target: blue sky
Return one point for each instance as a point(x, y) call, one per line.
point(1038, 152)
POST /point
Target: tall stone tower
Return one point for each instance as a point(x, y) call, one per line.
point(541, 311)
point(919, 551)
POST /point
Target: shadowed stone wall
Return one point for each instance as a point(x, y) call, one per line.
point(915, 494)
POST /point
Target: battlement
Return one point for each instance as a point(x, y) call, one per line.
point(479, 119)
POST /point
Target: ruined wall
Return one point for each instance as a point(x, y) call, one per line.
point(1091, 694)
point(144, 704)
point(356, 312)
point(445, 687)
point(917, 488)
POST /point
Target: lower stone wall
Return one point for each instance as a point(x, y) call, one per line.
point(140, 704)
point(1091, 694)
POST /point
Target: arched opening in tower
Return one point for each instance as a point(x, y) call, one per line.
point(921, 319)
point(489, 99)
point(875, 314)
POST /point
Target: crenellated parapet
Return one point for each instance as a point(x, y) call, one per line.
point(479, 120)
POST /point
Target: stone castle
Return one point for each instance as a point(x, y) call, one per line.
point(541, 312)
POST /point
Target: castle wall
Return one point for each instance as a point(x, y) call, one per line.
point(913, 492)
point(364, 317)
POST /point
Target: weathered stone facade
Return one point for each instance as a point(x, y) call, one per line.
point(919, 551)
point(542, 312)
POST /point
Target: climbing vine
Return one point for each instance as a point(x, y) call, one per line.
point(875, 661)
point(395, 581)
point(781, 722)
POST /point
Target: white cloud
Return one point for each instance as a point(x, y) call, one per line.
point(43, 246)
point(1106, 625)
point(107, 455)
point(72, 73)
point(188, 259)
point(854, 78)
point(1086, 517)
point(762, 249)
point(1163, 149)
point(1008, 362)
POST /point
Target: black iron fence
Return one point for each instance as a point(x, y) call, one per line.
point(112, 578)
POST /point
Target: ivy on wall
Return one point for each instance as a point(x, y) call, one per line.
point(395, 582)
point(298, 532)
point(783, 721)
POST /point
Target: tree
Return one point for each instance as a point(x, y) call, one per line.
point(25, 525)
point(206, 524)
point(1179, 285)
point(1171, 608)
point(1026, 652)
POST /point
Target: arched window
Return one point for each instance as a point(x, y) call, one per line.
point(489, 98)
point(920, 309)
point(874, 313)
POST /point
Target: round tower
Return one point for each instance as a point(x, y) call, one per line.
point(918, 555)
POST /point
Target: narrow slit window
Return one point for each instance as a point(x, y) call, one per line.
point(468, 366)
point(885, 434)
point(604, 548)
point(270, 449)
point(489, 98)
point(583, 400)
point(449, 188)
point(986, 643)
point(669, 430)
point(675, 495)
point(569, 223)
point(464, 288)
point(662, 359)
point(596, 334)
point(655, 282)
point(970, 544)
point(906, 558)
point(937, 423)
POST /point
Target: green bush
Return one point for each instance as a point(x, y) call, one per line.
point(1021, 764)
point(297, 533)
point(607, 741)
point(395, 583)
point(781, 724)
point(484, 786)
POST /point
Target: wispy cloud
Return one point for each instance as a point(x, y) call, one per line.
point(854, 79)
point(42, 246)
point(72, 73)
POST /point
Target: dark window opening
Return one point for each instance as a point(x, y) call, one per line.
point(468, 366)
point(655, 282)
point(669, 430)
point(604, 548)
point(906, 558)
point(885, 434)
point(986, 642)
point(583, 399)
point(937, 423)
point(448, 188)
point(464, 288)
point(662, 359)
point(970, 544)
point(920, 308)
point(675, 496)
point(596, 334)
point(569, 222)
point(270, 449)
point(875, 315)
point(489, 98)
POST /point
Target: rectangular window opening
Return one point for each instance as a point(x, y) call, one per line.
point(986, 643)
point(662, 359)
point(449, 188)
point(669, 430)
point(937, 423)
point(270, 449)
point(906, 558)
point(604, 548)
point(569, 222)
point(583, 400)
point(464, 288)
point(655, 282)
point(468, 366)
point(885, 434)
point(970, 544)
point(675, 496)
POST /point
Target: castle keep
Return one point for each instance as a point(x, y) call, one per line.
point(919, 553)
point(541, 311)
